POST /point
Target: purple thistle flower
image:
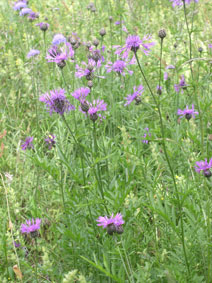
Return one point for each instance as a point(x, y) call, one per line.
point(188, 113)
point(19, 5)
point(135, 96)
point(95, 107)
point(180, 2)
point(57, 39)
point(30, 226)
point(56, 102)
point(82, 72)
point(81, 93)
point(32, 53)
point(133, 43)
point(105, 221)
point(50, 141)
point(28, 143)
point(119, 67)
point(182, 85)
point(58, 55)
point(145, 135)
point(43, 26)
point(25, 11)
point(204, 166)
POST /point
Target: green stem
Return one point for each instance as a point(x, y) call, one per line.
point(168, 162)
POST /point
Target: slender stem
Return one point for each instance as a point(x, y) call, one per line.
point(189, 32)
point(36, 260)
point(168, 162)
point(161, 53)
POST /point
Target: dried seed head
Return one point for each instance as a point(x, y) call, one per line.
point(102, 32)
point(96, 42)
point(162, 33)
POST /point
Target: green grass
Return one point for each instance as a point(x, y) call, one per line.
point(167, 213)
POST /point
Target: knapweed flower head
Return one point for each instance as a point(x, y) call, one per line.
point(120, 67)
point(50, 141)
point(16, 244)
point(159, 89)
point(95, 107)
point(25, 11)
point(43, 26)
point(133, 43)
point(112, 224)
point(58, 38)
point(30, 226)
point(188, 113)
point(87, 70)
point(32, 53)
point(181, 86)
point(19, 5)
point(180, 2)
point(135, 96)
point(56, 101)
point(170, 67)
point(210, 45)
point(81, 93)
point(146, 134)
point(33, 16)
point(204, 166)
point(28, 143)
point(59, 55)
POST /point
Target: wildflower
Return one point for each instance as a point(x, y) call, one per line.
point(19, 5)
point(43, 26)
point(210, 45)
point(96, 55)
point(57, 39)
point(28, 143)
point(145, 135)
point(95, 107)
point(81, 93)
point(32, 16)
point(59, 55)
point(112, 224)
point(188, 113)
point(50, 141)
point(200, 49)
point(31, 226)
point(133, 43)
point(56, 102)
point(102, 32)
point(135, 96)
point(32, 53)
point(119, 67)
point(159, 89)
point(170, 67)
point(162, 34)
point(180, 2)
point(16, 244)
point(87, 71)
point(165, 76)
point(25, 11)
point(204, 166)
point(181, 86)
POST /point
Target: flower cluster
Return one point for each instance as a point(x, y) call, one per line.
point(28, 143)
point(112, 224)
point(56, 101)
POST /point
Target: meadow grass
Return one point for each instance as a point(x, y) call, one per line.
point(138, 159)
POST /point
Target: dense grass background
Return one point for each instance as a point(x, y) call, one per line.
point(167, 233)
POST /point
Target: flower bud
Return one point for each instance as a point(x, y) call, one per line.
point(102, 32)
point(188, 116)
point(61, 64)
point(111, 229)
point(93, 117)
point(96, 42)
point(162, 33)
point(85, 106)
point(110, 18)
point(200, 49)
point(119, 229)
point(207, 173)
point(90, 84)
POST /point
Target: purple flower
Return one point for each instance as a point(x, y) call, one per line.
point(50, 141)
point(204, 166)
point(43, 26)
point(32, 53)
point(81, 93)
point(180, 2)
point(56, 102)
point(28, 143)
point(25, 11)
point(57, 39)
point(170, 67)
point(112, 224)
point(119, 67)
point(32, 16)
point(95, 108)
point(210, 45)
point(182, 85)
point(19, 5)
point(145, 135)
point(16, 244)
point(135, 96)
point(58, 55)
point(30, 226)
point(188, 113)
point(133, 43)
point(87, 70)
point(159, 89)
